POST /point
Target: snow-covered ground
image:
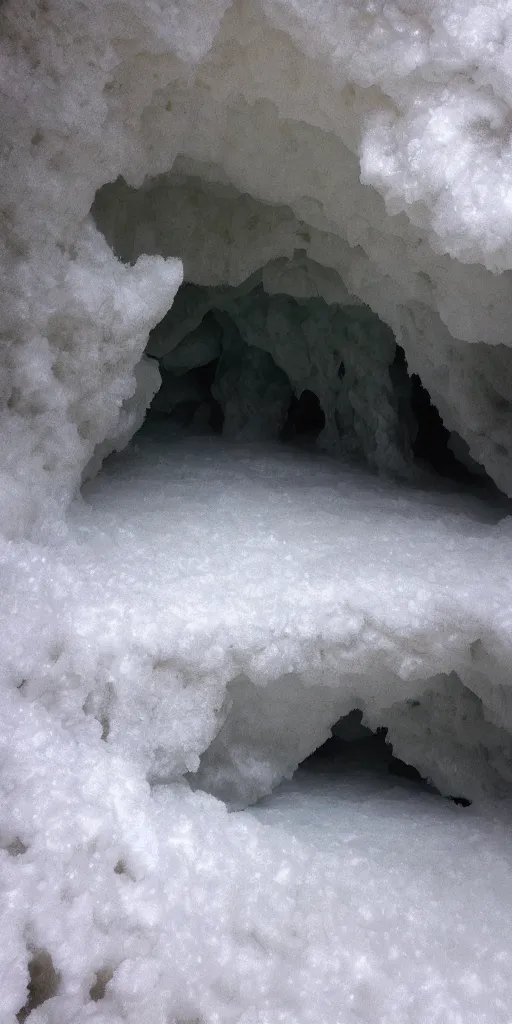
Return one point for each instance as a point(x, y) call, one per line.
point(415, 897)
point(209, 614)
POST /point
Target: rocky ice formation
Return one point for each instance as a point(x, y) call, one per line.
point(329, 180)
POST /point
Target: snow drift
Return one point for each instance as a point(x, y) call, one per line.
point(330, 181)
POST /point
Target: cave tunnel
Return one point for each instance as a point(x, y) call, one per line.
point(250, 376)
point(288, 353)
point(266, 342)
point(353, 747)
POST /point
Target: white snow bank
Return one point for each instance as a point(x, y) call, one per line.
point(427, 889)
point(69, 384)
point(131, 417)
point(216, 609)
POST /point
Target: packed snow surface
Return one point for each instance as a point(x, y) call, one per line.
point(414, 899)
point(211, 612)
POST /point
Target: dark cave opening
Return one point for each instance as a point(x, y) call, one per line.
point(185, 400)
point(215, 380)
point(306, 418)
point(352, 746)
point(430, 438)
point(121, 212)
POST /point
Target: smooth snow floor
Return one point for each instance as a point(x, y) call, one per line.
point(429, 882)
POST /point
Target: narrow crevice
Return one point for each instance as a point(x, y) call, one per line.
point(101, 980)
point(433, 445)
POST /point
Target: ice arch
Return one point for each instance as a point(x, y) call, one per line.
point(356, 155)
point(226, 238)
point(348, 145)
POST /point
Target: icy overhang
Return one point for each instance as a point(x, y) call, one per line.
point(373, 140)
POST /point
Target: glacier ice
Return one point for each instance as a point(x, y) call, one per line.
point(250, 201)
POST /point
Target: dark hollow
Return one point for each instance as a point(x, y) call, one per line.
point(305, 418)
point(370, 751)
point(43, 983)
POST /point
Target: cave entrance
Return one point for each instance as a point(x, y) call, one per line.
point(354, 748)
point(283, 351)
point(262, 367)
point(305, 420)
